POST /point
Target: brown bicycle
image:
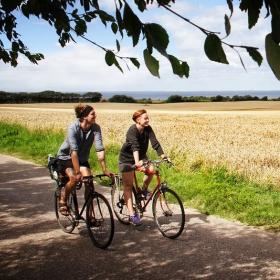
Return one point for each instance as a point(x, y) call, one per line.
point(167, 207)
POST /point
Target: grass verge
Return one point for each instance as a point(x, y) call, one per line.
point(211, 190)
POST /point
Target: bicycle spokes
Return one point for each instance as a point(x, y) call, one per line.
point(169, 213)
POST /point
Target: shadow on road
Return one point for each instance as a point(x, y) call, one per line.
point(33, 246)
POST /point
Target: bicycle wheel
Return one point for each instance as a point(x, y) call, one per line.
point(118, 202)
point(67, 223)
point(169, 213)
point(100, 221)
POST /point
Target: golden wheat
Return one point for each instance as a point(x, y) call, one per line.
point(247, 142)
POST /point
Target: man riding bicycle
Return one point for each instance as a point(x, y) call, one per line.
point(74, 152)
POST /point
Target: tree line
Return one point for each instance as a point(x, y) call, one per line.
point(217, 98)
point(48, 97)
point(58, 97)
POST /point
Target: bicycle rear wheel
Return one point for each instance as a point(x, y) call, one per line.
point(100, 221)
point(67, 223)
point(118, 202)
point(168, 212)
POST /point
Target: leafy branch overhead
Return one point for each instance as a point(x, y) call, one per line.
point(70, 18)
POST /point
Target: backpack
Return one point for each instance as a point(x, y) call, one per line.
point(53, 166)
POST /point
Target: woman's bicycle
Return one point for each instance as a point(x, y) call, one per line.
point(167, 207)
point(99, 216)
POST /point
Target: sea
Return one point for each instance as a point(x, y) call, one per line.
point(162, 95)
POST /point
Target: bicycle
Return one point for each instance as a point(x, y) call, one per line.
point(167, 207)
point(99, 216)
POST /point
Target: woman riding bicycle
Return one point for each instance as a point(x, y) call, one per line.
point(74, 153)
point(133, 152)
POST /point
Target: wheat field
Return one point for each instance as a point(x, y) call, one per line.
point(242, 136)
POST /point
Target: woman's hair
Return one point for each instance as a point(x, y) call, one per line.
point(82, 110)
point(138, 114)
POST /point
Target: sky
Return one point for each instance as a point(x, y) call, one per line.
point(80, 67)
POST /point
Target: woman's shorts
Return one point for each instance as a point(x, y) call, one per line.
point(125, 167)
point(64, 164)
point(128, 167)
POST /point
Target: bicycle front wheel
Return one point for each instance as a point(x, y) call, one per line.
point(100, 221)
point(67, 223)
point(169, 213)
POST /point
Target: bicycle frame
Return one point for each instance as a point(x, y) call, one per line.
point(79, 213)
point(136, 188)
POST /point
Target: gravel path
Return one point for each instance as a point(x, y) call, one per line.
point(33, 247)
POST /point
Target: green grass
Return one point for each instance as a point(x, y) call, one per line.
point(211, 190)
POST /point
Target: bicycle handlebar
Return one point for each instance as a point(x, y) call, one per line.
point(156, 162)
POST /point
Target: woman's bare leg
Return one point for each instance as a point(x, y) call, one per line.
point(148, 178)
point(127, 178)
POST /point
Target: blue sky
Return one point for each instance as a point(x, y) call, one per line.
point(81, 67)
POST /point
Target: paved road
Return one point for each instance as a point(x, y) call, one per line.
point(33, 247)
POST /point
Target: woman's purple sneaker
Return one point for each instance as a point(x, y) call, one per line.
point(135, 220)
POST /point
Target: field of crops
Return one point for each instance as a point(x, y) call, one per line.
point(242, 136)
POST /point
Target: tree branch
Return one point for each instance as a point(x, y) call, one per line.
point(205, 31)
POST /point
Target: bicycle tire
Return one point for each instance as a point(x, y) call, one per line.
point(169, 213)
point(67, 223)
point(118, 202)
point(100, 221)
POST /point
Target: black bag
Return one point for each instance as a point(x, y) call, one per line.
point(53, 166)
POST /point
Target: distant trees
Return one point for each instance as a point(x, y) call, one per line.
point(217, 98)
point(121, 99)
point(92, 96)
point(58, 97)
point(48, 97)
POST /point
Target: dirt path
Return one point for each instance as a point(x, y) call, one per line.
point(33, 247)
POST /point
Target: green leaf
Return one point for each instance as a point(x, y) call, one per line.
point(118, 45)
point(176, 66)
point(114, 27)
point(132, 24)
point(95, 4)
point(151, 63)
point(253, 7)
point(104, 17)
point(86, 5)
point(227, 25)
point(110, 58)
point(141, 4)
point(213, 49)
point(273, 55)
point(157, 37)
point(120, 21)
point(135, 62)
point(275, 27)
point(25, 8)
point(255, 55)
point(80, 27)
point(230, 6)
point(15, 46)
point(117, 65)
point(185, 69)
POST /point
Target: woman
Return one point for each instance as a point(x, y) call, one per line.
point(74, 152)
point(133, 152)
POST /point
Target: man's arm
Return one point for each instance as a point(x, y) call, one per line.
point(102, 162)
